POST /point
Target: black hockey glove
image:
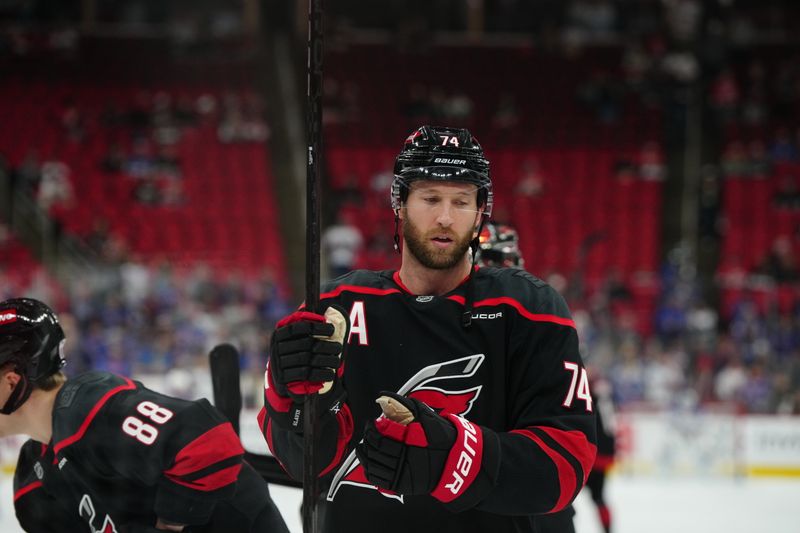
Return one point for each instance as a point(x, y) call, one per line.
point(305, 352)
point(305, 358)
point(412, 450)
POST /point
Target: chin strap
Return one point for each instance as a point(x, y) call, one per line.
point(469, 296)
point(396, 232)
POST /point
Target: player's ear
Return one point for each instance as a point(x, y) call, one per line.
point(9, 378)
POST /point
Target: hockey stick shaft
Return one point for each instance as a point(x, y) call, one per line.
point(224, 363)
point(314, 161)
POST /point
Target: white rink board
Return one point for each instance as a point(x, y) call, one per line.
point(639, 505)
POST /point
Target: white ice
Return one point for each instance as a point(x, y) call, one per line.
point(639, 505)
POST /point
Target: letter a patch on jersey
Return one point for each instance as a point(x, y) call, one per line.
point(456, 402)
point(358, 324)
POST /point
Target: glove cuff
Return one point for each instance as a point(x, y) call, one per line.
point(471, 467)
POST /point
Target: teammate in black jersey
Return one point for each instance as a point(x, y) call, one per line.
point(109, 455)
point(498, 424)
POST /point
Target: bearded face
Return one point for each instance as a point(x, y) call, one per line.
point(437, 249)
point(439, 223)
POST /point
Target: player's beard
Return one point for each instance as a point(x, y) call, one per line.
point(429, 256)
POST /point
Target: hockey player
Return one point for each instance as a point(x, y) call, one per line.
point(109, 455)
point(499, 247)
point(482, 363)
point(606, 447)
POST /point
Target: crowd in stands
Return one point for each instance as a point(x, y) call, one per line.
point(146, 315)
point(138, 317)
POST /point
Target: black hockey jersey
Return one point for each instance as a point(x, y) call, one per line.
point(515, 372)
point(122, 456)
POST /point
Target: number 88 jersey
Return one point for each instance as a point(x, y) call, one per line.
point(127, 454)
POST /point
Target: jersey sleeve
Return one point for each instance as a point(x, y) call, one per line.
point(186, 451)
point(542, 460)
point(36, 509)
point(281, 422)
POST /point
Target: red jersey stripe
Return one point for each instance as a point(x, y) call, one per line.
point(213, 446)
point(360, 290)
point(217, 480)
point(26, 489)
point(519, 307)
point(345, 420)
point(567, 480)
point(129, 385)
point(576, 444)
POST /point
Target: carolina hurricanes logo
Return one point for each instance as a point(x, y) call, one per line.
point(457, 402)
point(410, 138)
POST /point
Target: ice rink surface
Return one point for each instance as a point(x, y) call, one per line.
point(639, 505)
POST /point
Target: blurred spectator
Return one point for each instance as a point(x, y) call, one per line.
point(780, 263)
point(730, 380)
point(531, 180)
point(725, 96)
point(241, 120)
point(147, 192)
point(72, 121)
point(55, 187)
point(651, 162)
point(348, 192)
point(734, 161)
point(602, 94)
point(114, 159)
point(341, 243)
point(591, 19)
point(506, 114)
point(756, 391)
point(381, 183)
point(783, 147)
point(665, 377)
point(27, 175)
point(458, 107)
point(683, 19)
point(628, 375)
point(759, 162)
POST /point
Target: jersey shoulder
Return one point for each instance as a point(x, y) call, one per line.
point(532, 293)
point(357, 279)
point(82, 397)
point(30, 452)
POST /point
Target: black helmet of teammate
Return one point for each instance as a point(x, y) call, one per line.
point(31, 339)
point(499, 247)
point(442, 154)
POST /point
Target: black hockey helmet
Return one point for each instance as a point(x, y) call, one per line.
point(32, 340)
point(499, 247)
point(442, 154)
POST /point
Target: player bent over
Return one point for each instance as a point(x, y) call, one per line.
point(487, 416)
point(109, 455)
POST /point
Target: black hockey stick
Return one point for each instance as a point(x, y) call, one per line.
point(224, 363)
point(314, 160)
